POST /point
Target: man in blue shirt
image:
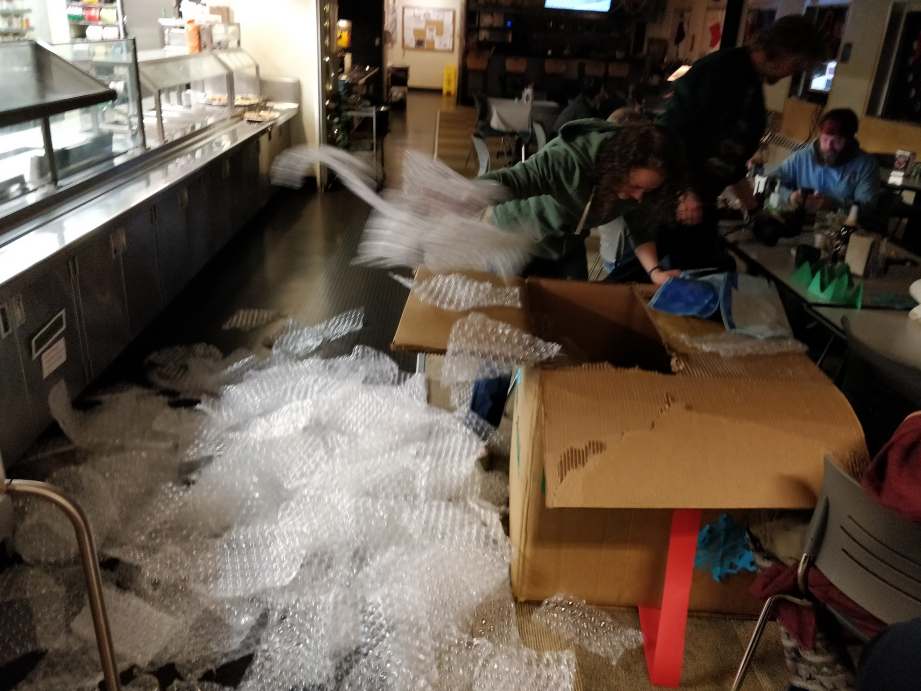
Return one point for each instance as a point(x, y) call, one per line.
point(834, 167)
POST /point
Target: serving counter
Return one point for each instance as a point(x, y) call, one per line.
point(94, 245)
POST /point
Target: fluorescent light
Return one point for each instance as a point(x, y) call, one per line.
point(679, 73)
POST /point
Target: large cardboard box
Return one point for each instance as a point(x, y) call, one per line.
point(602, 451)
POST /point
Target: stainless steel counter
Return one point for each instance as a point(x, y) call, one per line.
point(57, 231)
point(81, 279)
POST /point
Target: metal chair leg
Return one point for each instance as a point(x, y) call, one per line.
point(753, 643)
point(90, 562)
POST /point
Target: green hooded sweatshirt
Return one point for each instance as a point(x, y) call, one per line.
point(550, 190)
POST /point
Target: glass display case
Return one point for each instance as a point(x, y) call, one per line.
point(182, 93)
point(246, 83)
point(51, 122)
point(113, 63)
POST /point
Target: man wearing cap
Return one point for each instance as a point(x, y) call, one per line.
point(834, 167)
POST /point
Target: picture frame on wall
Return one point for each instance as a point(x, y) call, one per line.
point(428, 28)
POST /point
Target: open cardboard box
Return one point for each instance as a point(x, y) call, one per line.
point(602, 451)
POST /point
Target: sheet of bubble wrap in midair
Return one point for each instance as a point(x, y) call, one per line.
point(586, 626)
point(312, 512)
point(434, 219)
point(458, 293)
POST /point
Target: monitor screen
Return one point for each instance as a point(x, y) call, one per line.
point(579, 5)
point(822, 77)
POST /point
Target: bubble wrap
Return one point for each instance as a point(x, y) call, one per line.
point(729, 344)
point(478, 664)
point(44, 535)
point(32, 611)
point(586, 626)
point(459, 293)
point(71, 665)
point(297, 340)
point(249, 319)
point(480, 348)
point(196, 369)
point(139, 631)
point(311, 512)
point(434, 219)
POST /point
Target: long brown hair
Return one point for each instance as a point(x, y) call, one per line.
point(639, 145)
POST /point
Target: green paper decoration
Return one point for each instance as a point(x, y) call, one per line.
point(830, 284)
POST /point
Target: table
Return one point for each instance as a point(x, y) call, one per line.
point(889, 332)
point(908, 184)
point(515, 116)
point(664, 627)
point(778, 263)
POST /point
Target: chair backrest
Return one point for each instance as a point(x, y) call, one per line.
point(482, 155)
point(540, 135)
point(481, 103)
point(896, 376)
point(516, 65)
point(869, 552)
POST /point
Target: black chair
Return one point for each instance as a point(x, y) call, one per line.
point(870, 553)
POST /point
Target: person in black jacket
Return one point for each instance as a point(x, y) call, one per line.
point(717, 110)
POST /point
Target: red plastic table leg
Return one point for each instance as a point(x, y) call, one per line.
point(664, 628)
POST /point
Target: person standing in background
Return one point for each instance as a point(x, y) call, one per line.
point(717, 111)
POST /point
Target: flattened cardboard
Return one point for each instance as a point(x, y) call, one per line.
point(667, 441)
point(606, 556)
point(424, 328)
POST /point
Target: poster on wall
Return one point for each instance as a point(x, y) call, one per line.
point(714, 28)
point(426, 28)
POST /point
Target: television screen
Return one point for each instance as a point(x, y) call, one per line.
point(822, 77)
point(579, 5)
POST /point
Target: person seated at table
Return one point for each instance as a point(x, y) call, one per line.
point(592, 102)
point(593, 173)
point(834, 167)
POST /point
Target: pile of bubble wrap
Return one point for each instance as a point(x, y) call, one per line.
point(434, 218)
point(312, 512)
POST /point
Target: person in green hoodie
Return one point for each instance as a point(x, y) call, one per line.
point(593, 173)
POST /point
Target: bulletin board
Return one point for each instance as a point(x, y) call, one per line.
point(426, 28)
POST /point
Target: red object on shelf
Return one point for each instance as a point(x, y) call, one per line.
point(664, 627)
point(91, 14)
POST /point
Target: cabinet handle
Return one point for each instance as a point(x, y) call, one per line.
point(119, 242)
point(6, 323)
point(19, 312)
point(225, 169)
point(184, 199)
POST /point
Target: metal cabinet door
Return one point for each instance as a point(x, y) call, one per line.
point(221, 194)
point(18, 427)
point(249, 181)
point(265, 166)
point(101, 291)
point(139, 264)
point(49, 336)
point(198, 220)
point(174, 253)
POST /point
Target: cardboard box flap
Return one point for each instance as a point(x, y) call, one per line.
point(425, 328)
point(666, 441)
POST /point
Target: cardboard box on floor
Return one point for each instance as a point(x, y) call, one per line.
point(602, 452)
